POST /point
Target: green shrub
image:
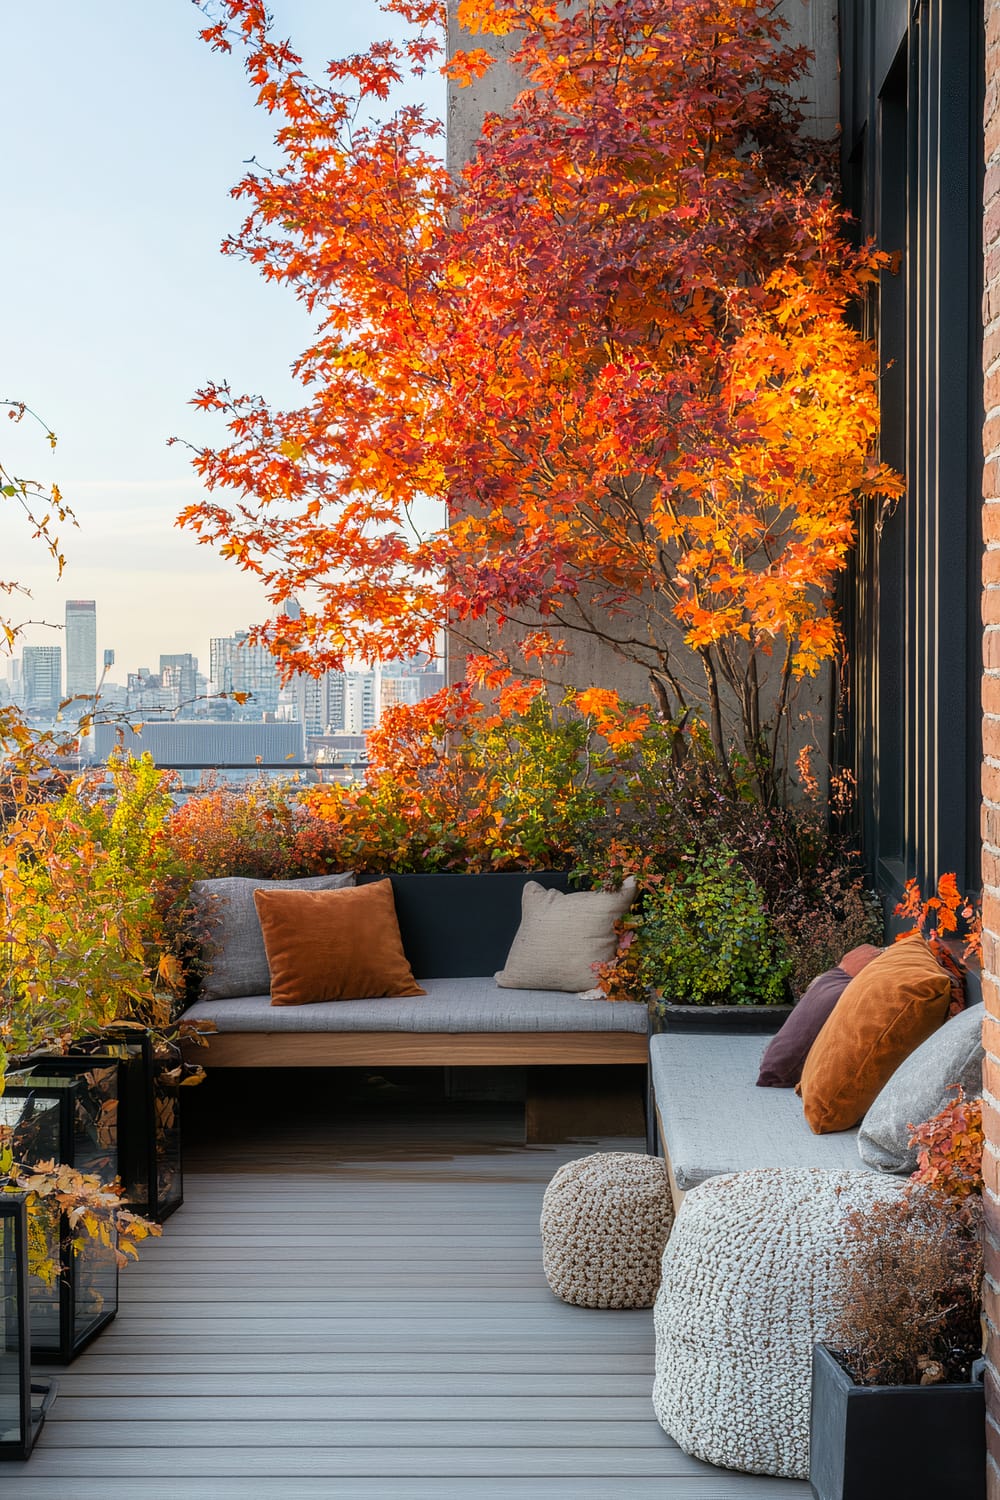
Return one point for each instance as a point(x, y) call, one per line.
point(705, 938)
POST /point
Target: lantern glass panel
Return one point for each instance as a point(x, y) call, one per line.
point(13, 1358)
point(149, 1121)
point(23, 1400)
point(63, 1117)
point(167, 1110)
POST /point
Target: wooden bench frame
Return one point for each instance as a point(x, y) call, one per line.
point(417, 1049)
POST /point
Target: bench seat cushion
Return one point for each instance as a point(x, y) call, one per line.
point(715, 1119)
point(450, 1005)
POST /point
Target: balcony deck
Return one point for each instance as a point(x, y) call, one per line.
point(350, 1303)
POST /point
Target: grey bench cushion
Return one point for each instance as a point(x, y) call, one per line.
point(452, 1005)
point(715, 1119)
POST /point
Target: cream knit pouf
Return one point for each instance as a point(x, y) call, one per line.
point(605, 1221)
point(745, 1294)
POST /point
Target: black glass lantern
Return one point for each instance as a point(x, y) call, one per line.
point(23, 1401)
point(149, 1121)
point(50, 1119)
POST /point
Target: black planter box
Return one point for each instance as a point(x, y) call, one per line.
point(667, 1016)
point(876, 1442)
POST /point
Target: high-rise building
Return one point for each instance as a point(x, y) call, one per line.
point(237, 666)
point(409, 681)
point(41, 672)
point(320, 702)
point(360, 701)
point(81, 648)
point(154, 695)
point(186, 668)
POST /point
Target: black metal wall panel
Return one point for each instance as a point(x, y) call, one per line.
point(912, 146)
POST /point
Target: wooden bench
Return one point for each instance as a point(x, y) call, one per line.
point(456, 931)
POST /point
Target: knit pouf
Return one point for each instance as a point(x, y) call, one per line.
point(605, 1221)
point(744, 1296)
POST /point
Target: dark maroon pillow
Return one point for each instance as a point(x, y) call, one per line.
point(783, 1061)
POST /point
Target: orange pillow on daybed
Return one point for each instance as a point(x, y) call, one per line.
point(882, 1016)
point(334, 945)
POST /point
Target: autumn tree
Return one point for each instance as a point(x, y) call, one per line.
point(605, 382)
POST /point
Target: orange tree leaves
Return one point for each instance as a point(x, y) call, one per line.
point(606, 381)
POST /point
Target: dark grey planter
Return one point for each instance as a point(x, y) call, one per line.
point(873, 1442)
point(667, 1016)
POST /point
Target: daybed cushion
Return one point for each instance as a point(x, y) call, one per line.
point(715, 1119)
point(563, 937)
point(451, 1005)
point(235, 957)
point(921, 1086)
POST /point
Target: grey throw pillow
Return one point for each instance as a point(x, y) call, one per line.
point(235, 961)
point(920, 1087)
point(562, 937)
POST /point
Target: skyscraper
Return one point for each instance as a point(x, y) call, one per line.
point(81, 648)
point(41, 672)
point(186, 667)
point(237, 666)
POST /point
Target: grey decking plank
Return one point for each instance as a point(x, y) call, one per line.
point(330, 1433)
point(276, 1406)
point(711, 1486)
point(284, 1463)
point(414, 1308)
point(695, 1487)
point(307, 1291)
point(576, 1385)
point(554, 1363)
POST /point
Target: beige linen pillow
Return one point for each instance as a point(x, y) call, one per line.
point(562, 937)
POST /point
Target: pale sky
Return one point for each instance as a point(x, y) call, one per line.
point(125, 134)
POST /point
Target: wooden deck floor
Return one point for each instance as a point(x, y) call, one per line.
point(350, 1304)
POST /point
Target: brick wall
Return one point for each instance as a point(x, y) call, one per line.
point(991, 727)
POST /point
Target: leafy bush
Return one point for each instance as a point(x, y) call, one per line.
point(80, 940)
point(672, 798)
point(950, 1149)
point(704, 938)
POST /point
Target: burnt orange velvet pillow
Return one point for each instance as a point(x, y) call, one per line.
point(323, 949)
point(883, 1015)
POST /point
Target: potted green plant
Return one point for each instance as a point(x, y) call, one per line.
point(707, 951)
point(898, 1403)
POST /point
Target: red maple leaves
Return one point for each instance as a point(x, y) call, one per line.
point(606, 382)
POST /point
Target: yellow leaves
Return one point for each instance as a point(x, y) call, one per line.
point(170, 972)
point(291, 449)
point(91, 1210)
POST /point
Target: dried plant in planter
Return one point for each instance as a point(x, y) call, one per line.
point(909, 1285)
point(909, 1289)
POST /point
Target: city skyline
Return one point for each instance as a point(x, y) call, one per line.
point(257, 658)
